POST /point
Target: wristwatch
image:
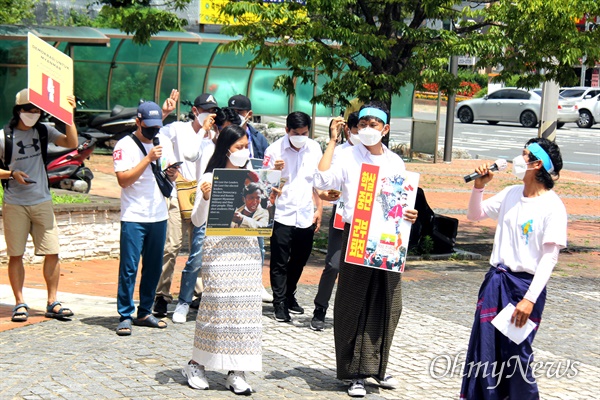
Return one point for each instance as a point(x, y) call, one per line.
point(11, 174)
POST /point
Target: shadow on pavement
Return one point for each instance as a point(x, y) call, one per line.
point(109, 323)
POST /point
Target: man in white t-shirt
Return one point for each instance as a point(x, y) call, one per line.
point(183, 136)
point(296, 219)
point(143, 215)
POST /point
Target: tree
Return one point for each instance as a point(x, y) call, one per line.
point(16, 11)
point(383, 45)
point(143, 18)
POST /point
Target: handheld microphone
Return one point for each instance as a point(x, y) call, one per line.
point(156, 142)
point(499, 165)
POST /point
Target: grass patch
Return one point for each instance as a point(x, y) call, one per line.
point(61, 198)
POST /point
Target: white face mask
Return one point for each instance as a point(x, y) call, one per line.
point(519, 166)
point(201, 117)
point(239, 158)
point(369, 136)
point(298, 140)
point(29, 119)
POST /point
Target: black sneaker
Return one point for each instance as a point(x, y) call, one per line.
point(318, 320)
point(196, 302)
point(281, 313)
point(160, 307)
point(294, 307)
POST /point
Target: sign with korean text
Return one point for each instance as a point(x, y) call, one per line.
point(49, 78)
point(379, 234)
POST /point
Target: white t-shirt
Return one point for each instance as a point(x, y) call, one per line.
point(525, 224)
point(345, 173)
point(27, 157)
point(182, 136)
point(295, 205)
point(142, 201)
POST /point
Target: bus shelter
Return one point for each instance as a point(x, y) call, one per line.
point(110, 69)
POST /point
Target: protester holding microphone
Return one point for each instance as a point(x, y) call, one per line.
point(531, 230)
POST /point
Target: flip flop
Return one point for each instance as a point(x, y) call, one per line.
point(151, 322)
point(20, 316)
point(62, 313)
point(124, 328)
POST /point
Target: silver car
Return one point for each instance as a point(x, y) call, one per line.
point(512, 105)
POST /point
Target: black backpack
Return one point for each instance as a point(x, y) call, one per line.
point(42, 131)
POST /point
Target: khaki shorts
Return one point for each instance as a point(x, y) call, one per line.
point(37, 220)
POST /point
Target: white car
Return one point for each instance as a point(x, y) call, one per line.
point(512, 105)
point(568, 110)
point(589, 112)
point(580, 93)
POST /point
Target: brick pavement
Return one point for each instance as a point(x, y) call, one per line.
point(84, 359)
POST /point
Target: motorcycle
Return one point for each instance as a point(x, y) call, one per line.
point(109, 128)
point(66, 168)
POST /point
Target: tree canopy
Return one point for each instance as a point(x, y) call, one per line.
point(16, 11)
point(383, 45)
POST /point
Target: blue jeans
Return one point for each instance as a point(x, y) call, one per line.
point(192, 266)
point(148, 240)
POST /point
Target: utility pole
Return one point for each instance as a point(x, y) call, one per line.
point(450, 108)
point(549, 110)
point(584, 58)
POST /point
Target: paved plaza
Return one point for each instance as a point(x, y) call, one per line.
point(84, 359)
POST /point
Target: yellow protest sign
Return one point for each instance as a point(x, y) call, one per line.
point(50, 78)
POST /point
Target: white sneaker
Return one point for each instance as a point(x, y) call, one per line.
point(357, 388)
point(266, 296)
point(388, 383)
point(181, 312)
point(236, 382)
point(196, 376)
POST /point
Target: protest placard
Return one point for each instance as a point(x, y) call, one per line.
point(242, 202)
point(378, 233)
point(49, 78)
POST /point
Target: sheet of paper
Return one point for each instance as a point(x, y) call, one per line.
point(503, 324)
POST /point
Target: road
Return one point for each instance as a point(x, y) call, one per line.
point(580, 148)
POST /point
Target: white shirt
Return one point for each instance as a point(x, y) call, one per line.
point(142, 201)
point(346, 173)
point(525, 224)
point(182, 136)
point(295, 205)
point(336, 153)
point(200, 210)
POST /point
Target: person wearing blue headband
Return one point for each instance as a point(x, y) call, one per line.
point(368, 301)
point(532, 228)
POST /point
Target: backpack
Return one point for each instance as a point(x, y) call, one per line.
point(42, 131)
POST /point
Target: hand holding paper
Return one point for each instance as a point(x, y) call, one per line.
point(503, 324)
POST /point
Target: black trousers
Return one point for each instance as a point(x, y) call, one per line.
point(332, 264)
point(290, 249)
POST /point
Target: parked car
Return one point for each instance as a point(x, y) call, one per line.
point(512, 105)
point(589, 112)
point(568, 110)
point(580, 93)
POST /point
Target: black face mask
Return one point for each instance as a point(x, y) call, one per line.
point(150, 132)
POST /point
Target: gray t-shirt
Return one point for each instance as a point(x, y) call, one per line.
point(27, 157)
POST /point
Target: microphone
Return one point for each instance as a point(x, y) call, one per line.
point(156, 142)
point(499, 165)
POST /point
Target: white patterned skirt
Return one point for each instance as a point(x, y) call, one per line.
point(229, 324)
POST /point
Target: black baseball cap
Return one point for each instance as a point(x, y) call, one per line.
point(239, 102)
point(206, 101)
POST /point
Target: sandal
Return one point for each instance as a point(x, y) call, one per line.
point(124, 328)
point(20, 316)
point(62, 313)
point(151, 322)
